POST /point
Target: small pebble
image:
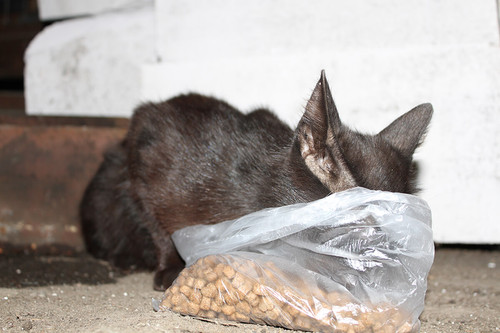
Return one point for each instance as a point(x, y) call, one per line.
point(27, 325)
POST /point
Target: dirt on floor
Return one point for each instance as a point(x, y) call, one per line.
point(81, 294)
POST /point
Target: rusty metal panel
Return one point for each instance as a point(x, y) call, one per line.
point(44, 170)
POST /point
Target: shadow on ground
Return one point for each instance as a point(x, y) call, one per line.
point(21, 271)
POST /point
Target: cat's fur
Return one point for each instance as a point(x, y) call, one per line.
point(197, 160)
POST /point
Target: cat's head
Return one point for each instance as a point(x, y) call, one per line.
point(342, 158)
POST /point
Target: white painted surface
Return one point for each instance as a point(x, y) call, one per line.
point(221, 29)
point(382, 58)
point(89, 66)
point(59, 9)
point(460, 160)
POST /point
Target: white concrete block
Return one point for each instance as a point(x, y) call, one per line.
point(459, 160)
point(221, 29)
point(89, 66)
point(382, 58)
point(59, 9)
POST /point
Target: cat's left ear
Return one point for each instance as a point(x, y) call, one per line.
point(407, 132)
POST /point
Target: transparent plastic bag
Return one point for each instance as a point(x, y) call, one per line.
point(355, 261)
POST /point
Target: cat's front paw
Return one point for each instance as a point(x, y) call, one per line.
point(164, 278)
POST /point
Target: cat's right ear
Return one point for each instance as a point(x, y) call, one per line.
point(316, 136)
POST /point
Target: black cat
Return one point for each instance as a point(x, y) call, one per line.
point(197, 160)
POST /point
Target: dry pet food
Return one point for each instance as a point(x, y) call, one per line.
point(355, 261)
point(235, 289)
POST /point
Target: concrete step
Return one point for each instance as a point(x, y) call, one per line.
point(45, 165)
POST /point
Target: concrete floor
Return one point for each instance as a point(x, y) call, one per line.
point(80, 294)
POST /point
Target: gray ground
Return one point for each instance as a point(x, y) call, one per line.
point(80, 294)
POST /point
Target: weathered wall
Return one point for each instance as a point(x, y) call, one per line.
point(382, 58)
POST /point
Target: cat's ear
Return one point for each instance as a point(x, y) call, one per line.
point(407, 132)
point(316, 135)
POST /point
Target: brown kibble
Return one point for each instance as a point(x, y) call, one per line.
point(183, 307)
point(193, 308)
point(181, 280)
point(215, 306)
point(203, 271)
point(238, 280)
point(210, 314)
point(208, 261)
point(210, 276)
point(219, 299)
point(168, 293)
point(266, 304)
point(239, 294)
point(209, 290)
point(166, 303)
point(228, 310)
point(375, 321)
point(183, 273)
point(274, 314)
point(230, 298)
point(185, 290)
point(195, 296)
point(243, 307)
point(221, 284)
point(190, 281)
point(205, 303)
point(227, 291)
point(177, 299)
point(174, 289)
point(361, 327)
point(228, 271)
point(291, 310)
point(259, 289)
point(252, 299)
point(244, 289)
point(199, 283)
point(303, 323)
point(218, 269)
point(241, 317)
point(257, 314)
point(237, 264)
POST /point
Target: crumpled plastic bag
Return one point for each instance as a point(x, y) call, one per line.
point(355, 261)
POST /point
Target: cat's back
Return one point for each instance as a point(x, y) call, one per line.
point(190, 122)
point(195, 159)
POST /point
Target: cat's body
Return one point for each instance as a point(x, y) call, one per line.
point(197, 160)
